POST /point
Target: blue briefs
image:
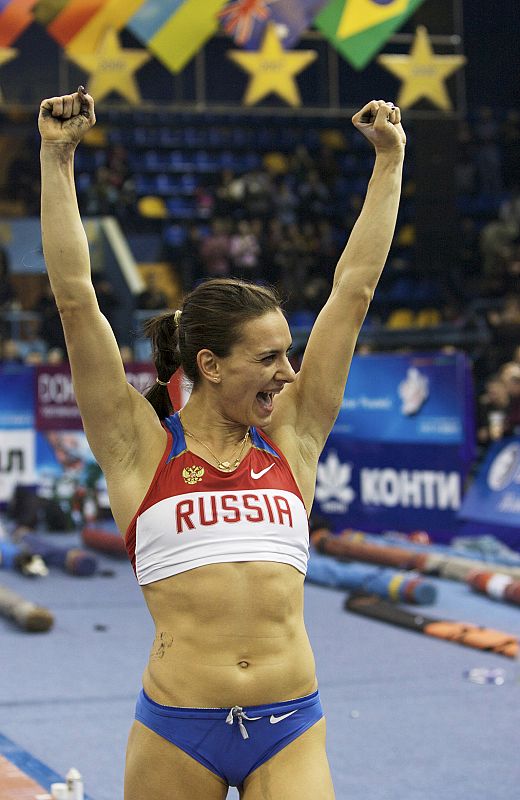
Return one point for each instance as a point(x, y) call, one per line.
point(231, 742)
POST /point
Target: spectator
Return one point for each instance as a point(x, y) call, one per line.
point(152, 298)
point(244, 249)
point(314, 196)
point(286, 202)
point(493, 406)
point(230, 194)
point(55, 355)
point(258, 194)
point(510, 375)
point(215, 250)
point(32, 342)
point(10, 352)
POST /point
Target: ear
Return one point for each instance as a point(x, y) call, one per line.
point(208, 365)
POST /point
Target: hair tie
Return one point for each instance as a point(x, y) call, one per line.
point(177, 317)
point(161, 383)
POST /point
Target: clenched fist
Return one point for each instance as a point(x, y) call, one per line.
point(66, 119)
point(380, 123)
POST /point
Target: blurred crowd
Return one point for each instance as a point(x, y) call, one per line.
point(285, 220)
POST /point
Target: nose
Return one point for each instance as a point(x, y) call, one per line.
point(285, 373)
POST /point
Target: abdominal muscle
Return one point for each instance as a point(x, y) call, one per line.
point(229, 634)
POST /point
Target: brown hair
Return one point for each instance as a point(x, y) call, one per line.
point(212, 317)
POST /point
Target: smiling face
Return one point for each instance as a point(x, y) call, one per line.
point(256, 370)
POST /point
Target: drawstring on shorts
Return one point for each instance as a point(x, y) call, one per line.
point(238, 713)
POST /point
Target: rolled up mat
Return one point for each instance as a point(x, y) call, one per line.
point(342, 546)
point(495, 585)
point(105, 539)
point(466, 633)
point(385, 583)
point(28, 616)
point(458, 569)
point(71, 559)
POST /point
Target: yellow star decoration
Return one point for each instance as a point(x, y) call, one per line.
point(272, 69)
point(422, 72)
point(6, 54)
point(112, 68)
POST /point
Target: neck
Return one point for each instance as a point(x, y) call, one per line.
point(215, 429)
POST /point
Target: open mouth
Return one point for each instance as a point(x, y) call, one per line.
point(266, 400)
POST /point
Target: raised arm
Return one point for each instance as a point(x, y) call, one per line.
point(316, 395)
point(107, 403)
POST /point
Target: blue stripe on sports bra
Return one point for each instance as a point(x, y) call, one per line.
point(261, 444)
point(173, 424)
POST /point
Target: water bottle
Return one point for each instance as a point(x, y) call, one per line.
point(74, 784)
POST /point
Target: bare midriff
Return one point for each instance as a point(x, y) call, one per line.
point(229, 634)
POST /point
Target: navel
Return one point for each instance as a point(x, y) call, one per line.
point(243, 664)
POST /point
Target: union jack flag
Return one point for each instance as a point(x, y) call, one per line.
point(239, 17)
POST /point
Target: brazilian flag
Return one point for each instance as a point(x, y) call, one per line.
point(359, 29)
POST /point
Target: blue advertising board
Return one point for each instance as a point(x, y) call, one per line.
point(494, 495)
point(402, 445)
point(17, 450)
point(16, 396)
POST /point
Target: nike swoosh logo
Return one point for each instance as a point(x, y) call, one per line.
point(257, 475)
point(273, 720)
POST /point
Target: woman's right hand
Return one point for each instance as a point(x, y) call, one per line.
point(66, 119)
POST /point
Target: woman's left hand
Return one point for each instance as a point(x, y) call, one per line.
point(380, 122)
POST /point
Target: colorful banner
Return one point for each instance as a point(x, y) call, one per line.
point(46, 10)
point(15, 17)
point(402, 445)
point(175, 30)
point(72, 18)
point(245, 21)
point(494, 495)
point(359, 29)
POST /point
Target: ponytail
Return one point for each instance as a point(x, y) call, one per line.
point(163, 332)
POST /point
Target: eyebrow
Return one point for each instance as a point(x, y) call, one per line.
point(274, 350)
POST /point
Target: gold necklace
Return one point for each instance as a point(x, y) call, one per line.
point(223, 466)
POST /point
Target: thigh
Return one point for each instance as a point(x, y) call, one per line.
point(156, 769)
point(298, 772)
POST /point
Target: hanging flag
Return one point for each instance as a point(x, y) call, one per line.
point(15, 17)
point(359, 29)
point(72, 18)
point(175, 30)
point(246, 20)
point(110, 15)
point(45, 10)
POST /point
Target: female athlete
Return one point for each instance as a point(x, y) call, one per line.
point(213, 501)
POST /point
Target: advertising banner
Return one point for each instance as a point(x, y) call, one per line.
point(494, 495)
point(42, 442)
point(17, 460)
point(16, 396)
point(401, 447)
point(55, 402)
point(17, 442)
